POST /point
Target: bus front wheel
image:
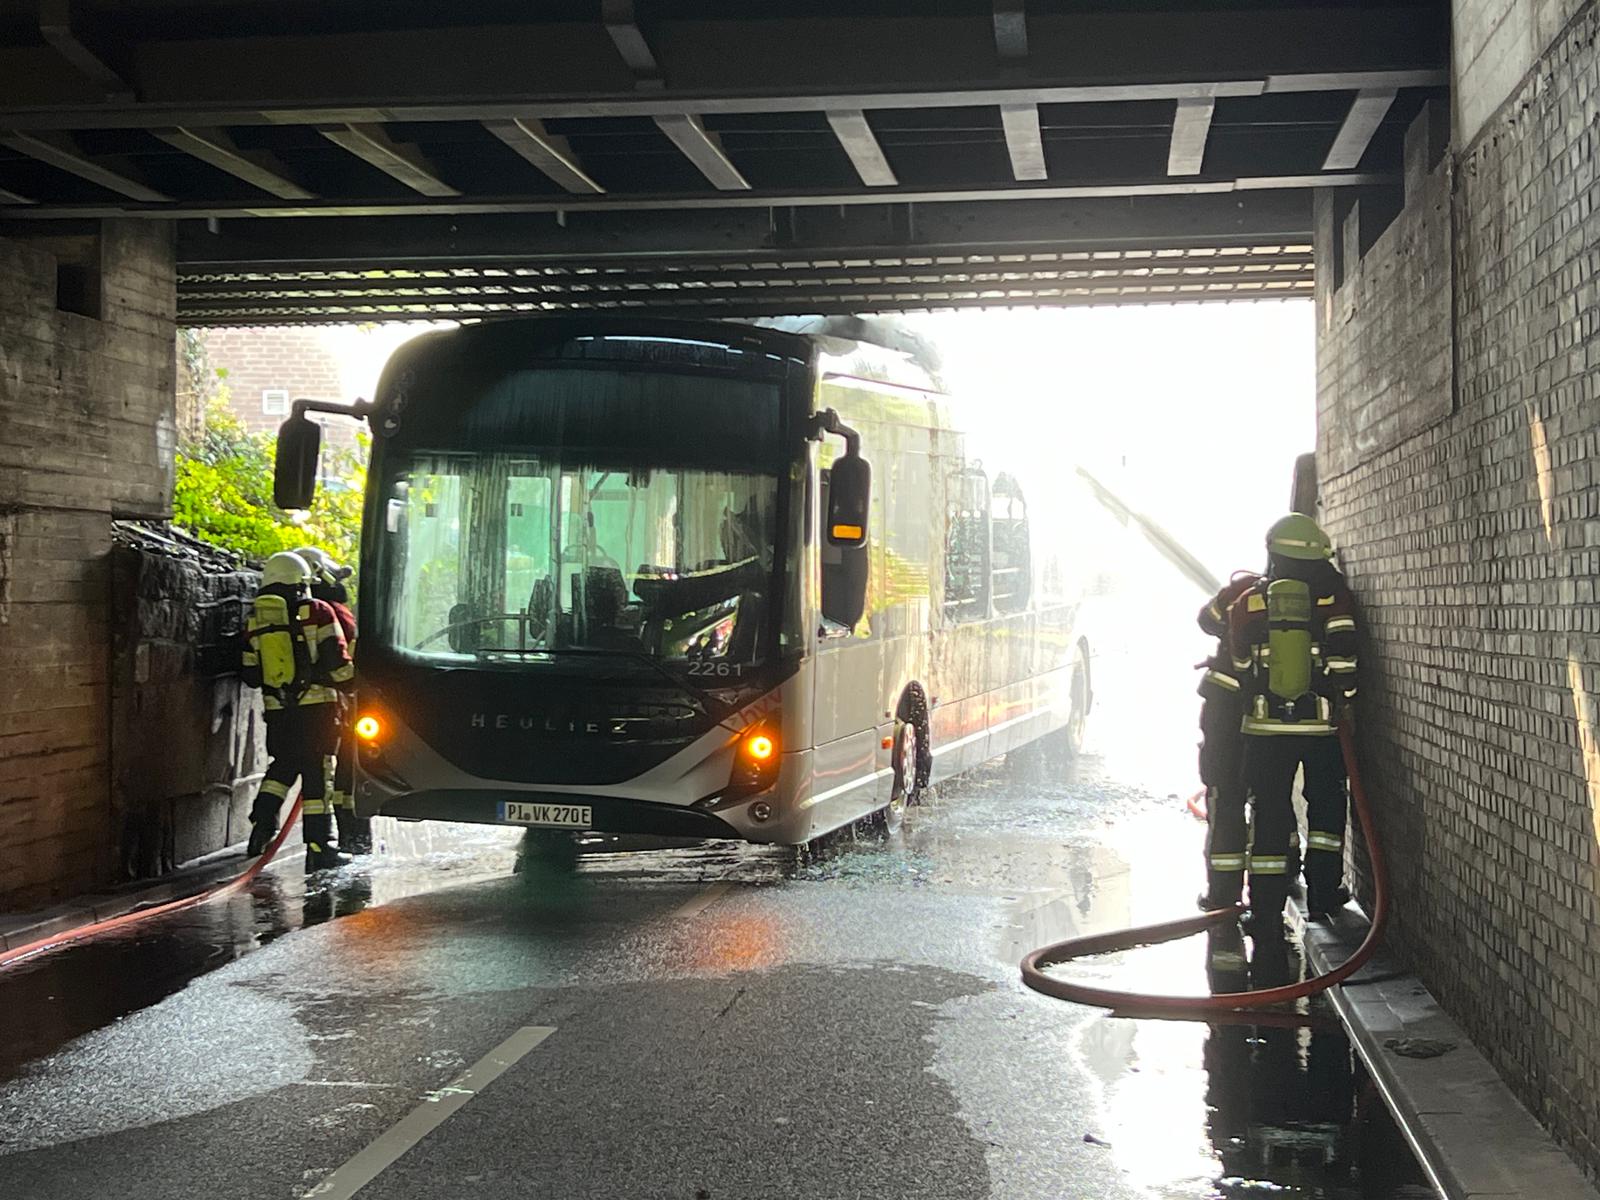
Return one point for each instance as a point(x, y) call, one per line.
point(1066, 743)
point(908, 773)
point(1082, 700)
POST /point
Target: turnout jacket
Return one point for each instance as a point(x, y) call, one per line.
point(322, 666)
point(1332, 650)
point(1219, 678)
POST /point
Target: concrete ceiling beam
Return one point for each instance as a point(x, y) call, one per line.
point(372, 144)
point(215, 147)
point(1359, 127)
point(861, 145)
point(704, 149)
point(62, 152)
point(550, 154)
point(1191, 126)
point(724, 199)
point(55, 26)
point(1024, 141)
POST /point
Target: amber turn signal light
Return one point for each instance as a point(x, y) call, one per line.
point(761, 747)
point(368, 728)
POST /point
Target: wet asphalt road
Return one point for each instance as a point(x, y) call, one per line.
point(718, 1022)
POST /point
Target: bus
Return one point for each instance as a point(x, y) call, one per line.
point(692, 579)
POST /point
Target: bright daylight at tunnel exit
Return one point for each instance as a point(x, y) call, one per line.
point(680, 600)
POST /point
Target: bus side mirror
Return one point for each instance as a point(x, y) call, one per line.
point(844, 584)
point(849, 500)
point(294, 474)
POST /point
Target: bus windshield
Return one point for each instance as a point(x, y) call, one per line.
point(518, 556)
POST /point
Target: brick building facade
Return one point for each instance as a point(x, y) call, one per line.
point(268, 368)
point(1459, 449)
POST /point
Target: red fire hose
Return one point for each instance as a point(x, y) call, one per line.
point(56, 940)
point(1034, 964)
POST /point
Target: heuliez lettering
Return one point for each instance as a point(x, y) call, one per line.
point(583, 726)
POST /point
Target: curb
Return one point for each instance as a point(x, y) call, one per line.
point(20, 929)
point(1472, 1136)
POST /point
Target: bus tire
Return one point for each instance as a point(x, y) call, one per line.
point(905, 790)
point(914, 714)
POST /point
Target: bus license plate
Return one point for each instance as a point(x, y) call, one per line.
point(562, 816)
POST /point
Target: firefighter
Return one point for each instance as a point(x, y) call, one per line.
point(1221, 754)
point(328, 585)
point(295, 653)
point(1227, 845)
point(1292, 639)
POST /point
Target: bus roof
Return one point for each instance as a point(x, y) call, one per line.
point(873, 349)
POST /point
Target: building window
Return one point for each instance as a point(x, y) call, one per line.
point(275, 402)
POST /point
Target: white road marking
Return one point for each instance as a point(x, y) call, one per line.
point(428, 1116)
point(700, 902)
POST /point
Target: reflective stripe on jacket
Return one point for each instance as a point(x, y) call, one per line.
point(1219, 679)
point(327, 658)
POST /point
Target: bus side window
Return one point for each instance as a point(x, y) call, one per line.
point(1012, 572)
point(966, 549)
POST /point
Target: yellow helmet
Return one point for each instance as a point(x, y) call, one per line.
point(1298, 536)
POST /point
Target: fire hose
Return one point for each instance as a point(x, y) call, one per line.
point(1146, 1004)
point(95, 928)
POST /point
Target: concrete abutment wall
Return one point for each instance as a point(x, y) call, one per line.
point(87, 431)
point(1459, 452)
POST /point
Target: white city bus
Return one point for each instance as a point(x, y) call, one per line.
point(604, 584)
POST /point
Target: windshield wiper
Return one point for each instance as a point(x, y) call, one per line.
point(639, 656)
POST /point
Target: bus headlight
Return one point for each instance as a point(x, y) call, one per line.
point(755, 762)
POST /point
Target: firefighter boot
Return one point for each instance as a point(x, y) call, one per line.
point(321, 853)
point(1323, 902)
point(1270, 966)
point(1227, 968)
point(355, 833)
point(1224, 889)
point(263, 823)
point(1268, 895)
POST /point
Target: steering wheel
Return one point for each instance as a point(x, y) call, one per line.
point(469, 623)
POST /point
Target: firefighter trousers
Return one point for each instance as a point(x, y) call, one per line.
point(298, 740)
point(341, 770)
point(355, 833)
point(1222, 771)
point(1270, 764)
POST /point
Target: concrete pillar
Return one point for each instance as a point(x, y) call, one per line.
point(87, 382)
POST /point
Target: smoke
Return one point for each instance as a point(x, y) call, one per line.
point(1194, 414)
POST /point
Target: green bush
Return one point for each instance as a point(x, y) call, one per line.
point(224, 492)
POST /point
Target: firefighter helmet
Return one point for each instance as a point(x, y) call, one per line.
point(285, 569)
point(324, 568)
point(1298, 536)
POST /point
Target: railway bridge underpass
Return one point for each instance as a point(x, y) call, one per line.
point(1424, 171)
